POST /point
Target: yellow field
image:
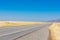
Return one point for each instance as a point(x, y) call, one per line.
point(18, 23)
point(55, 31)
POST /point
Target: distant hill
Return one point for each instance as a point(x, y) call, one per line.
point(54, 20)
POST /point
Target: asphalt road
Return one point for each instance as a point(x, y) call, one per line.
point(12, 33)
point(41, 34)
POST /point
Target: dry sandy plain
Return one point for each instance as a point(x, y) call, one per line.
point(54, 27)
point(18, 23)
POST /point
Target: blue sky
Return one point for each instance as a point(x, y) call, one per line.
point(29, 10)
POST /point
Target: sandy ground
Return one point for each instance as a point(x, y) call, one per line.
point(18, 23)
point(55, 31)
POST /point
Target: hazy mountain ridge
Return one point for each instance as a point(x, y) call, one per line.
point(58, 20)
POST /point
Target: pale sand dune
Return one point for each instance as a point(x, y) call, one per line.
point(55, 31)
point(18, 23)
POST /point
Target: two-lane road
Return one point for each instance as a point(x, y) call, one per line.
point(41, 34)
point(11, 33)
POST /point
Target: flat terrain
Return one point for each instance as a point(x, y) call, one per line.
point(18, 23)
point(10, 30)
point(9, 33)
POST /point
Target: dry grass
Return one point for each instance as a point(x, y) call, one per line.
point(55, 31)
point(18, 23)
